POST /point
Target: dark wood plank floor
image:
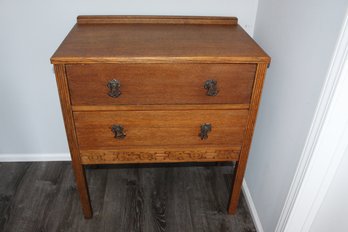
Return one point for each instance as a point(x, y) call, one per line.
point(42, 197)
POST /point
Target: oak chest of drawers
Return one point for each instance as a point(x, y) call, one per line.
point(150, 89)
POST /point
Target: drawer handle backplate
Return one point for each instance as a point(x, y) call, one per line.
point(118, 131)
point(205, 128)
point(114, 86)
point(211, 86)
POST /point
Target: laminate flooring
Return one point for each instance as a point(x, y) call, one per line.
point(42, 197)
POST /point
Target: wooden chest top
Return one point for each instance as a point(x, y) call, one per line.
point(151, 39)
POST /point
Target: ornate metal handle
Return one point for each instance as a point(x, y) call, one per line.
point(205, 128)
point(210, 85)
point(114, 86)
point(118, 131)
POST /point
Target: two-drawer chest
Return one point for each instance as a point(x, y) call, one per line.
point(157, 89)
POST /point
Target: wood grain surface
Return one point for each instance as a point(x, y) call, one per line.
point(161, 107)
point(80, 177)
point(151, 128)
point(160, 154)
point(112, 19)
point(160, 83)
point(242, 162)
point(158, 43)
point(42, 196)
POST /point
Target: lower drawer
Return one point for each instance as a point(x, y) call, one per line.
point(115, 129)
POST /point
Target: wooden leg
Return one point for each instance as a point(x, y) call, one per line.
point(243, 157)
point(82, 188)
point(236, 187)
point(79, 171)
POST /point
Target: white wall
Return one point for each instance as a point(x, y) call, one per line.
point(30, 31)
point(300, 36)
point(332, 215)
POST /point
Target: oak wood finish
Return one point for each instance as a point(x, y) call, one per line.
point(71, 135)
point(241, 163)
point(161, 64)
point(155, 128)
point(161, 107)
point(112, 19)
point(158, 43)
point(159, 155)
point(160, 84)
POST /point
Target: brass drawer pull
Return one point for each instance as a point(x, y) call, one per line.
point(205, 128)
point(211, 86)
point(118, 131)
point(114, 86)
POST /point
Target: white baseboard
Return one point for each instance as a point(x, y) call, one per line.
point(34, 157)
point(252, 207)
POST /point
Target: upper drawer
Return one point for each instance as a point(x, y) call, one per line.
point(160, 83)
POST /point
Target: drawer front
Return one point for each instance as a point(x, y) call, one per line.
point(159, 128)
point(160, 83)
